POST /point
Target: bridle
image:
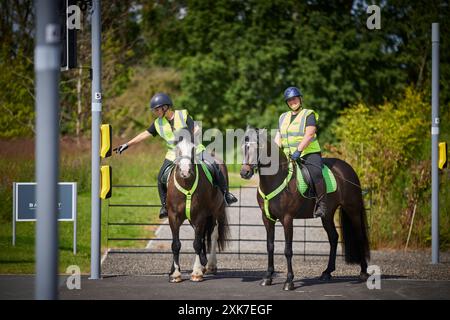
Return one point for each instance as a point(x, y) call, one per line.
point(192, 158)
point(254, 166)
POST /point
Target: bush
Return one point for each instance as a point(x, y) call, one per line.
point(388, 146)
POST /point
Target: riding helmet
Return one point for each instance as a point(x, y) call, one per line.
point(160, 99)
point(292, 92)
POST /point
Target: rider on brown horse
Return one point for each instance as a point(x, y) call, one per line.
point(297, 137)
point(168, 122)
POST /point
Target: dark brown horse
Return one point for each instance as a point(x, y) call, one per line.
point(207, 213)
point(289, 205)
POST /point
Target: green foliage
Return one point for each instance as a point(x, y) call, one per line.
point(16, 96)
point(237, 57)
point(389, 148)
point(382, 140)
point(232, 59)
point(129, 112)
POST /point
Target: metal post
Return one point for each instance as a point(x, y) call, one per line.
point(239, 227)
point(14, 216)
point(75, 219)
point(47, 62)
point(96, 121)
point(434, 144)
point(304, 240)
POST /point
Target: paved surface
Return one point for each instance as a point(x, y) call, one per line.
point(228, 287)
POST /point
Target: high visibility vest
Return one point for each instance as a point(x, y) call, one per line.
point(164, 129)
point(292, 133)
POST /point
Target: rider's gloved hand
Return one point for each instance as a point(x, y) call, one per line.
point(121, 148)
point(296, 155)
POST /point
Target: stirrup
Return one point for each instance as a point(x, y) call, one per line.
point(163, 213)
point(232, 198)
point(318, 213)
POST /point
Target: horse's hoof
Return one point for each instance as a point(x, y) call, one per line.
point(266, 282)
point(196, 278)
point(363, 276)
point(210, 270)
point(288, 286)
point(175, 279)
point(325, 276)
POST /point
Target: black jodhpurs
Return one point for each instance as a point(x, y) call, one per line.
point(313, 162)
point(162, 190)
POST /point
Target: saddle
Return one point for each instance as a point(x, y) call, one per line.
point(305, 184)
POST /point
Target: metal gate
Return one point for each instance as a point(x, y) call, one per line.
point(246, 238)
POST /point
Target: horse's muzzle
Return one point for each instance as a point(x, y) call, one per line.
point(246, 172)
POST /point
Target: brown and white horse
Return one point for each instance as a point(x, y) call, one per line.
point(206, 214)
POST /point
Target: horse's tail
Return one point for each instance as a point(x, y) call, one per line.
point(354, 233)
point(208, 231)
point(223, 229)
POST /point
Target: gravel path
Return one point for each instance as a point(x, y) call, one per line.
point(393, 264)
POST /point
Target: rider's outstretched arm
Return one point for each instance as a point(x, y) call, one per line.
point(141, 136)
point(135, 140)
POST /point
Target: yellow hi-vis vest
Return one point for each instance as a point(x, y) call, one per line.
point(292, 133)
point(164, 129)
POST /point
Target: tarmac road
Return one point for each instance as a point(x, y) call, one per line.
point(228, 287)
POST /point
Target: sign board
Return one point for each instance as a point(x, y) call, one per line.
point(26, 204)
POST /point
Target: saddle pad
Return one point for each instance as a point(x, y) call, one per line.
point(328, 177)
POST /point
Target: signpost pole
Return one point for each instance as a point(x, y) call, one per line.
point(47, 64)
point(96, 110)
point(434, 144)
point(14, 215)
point(75, 199)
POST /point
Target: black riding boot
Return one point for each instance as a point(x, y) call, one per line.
point(221, 181)
point(162, 196)
point(321, 202)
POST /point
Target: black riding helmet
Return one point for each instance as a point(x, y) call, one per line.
point(160, 99)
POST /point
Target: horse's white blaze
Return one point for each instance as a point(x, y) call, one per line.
point(197, 269)
point(185, 148)
point(184, 165)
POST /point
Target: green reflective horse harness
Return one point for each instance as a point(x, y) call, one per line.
point(189, 193)
point(275, 192)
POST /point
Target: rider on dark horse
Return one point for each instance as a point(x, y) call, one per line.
point(297, 136)
point(168, 122)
